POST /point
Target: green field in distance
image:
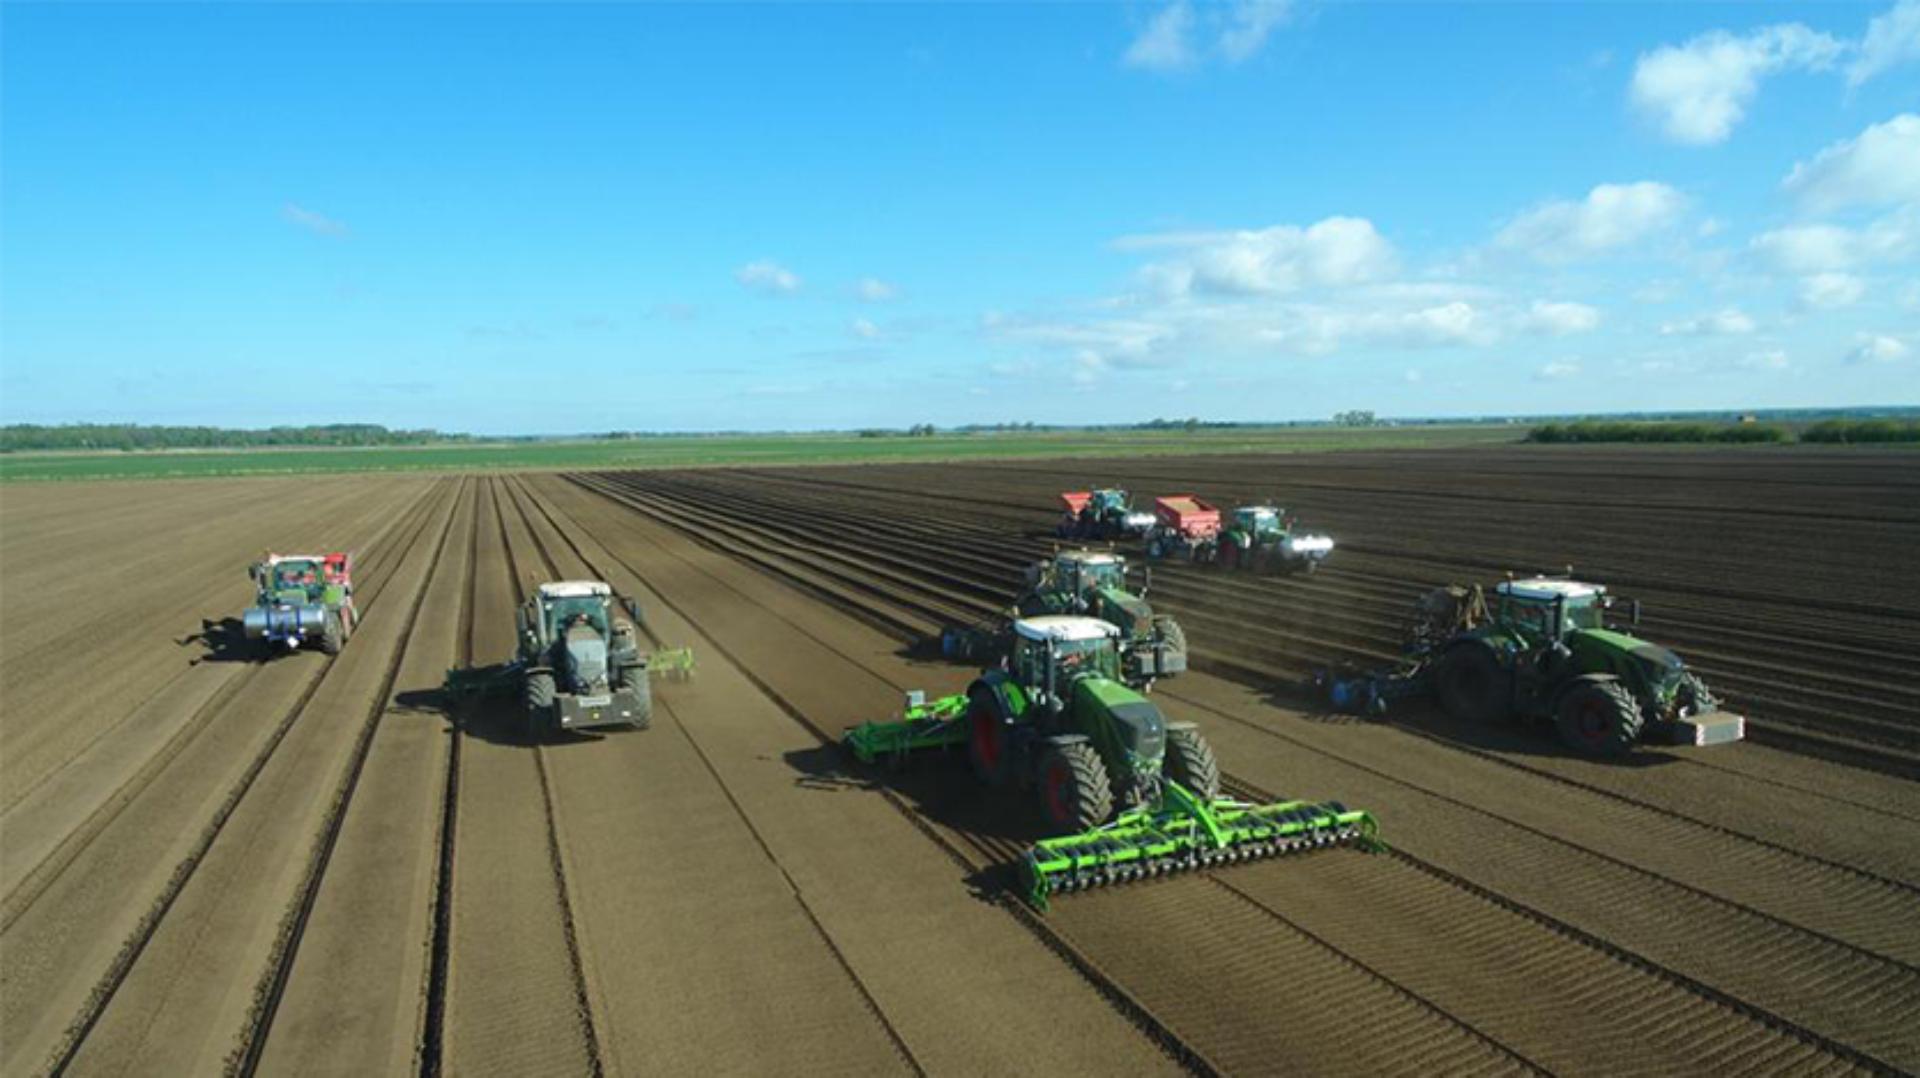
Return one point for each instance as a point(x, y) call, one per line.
point(687, 451)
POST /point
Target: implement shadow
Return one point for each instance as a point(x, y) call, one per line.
point(497, 720)
point(939, 793)
point(224, 641)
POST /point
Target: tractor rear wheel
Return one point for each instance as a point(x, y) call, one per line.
point(1230, 554)
point(332, 633)
point(1075, 794)
point(1599, 717)
point(1174, 635)
point(1473, 685)
point(989, 737)
point(1191, 763)
point(539, 695)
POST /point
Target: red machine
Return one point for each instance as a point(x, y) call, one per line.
point(1184, 527)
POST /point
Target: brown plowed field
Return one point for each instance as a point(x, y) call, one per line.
point(307, 865)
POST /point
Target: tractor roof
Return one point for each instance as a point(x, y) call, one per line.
point(1547, 588)
point(275, 559)
point(1091, 557)
point(1064, 627)
point(573, 589)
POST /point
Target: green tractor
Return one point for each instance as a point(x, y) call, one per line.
point(1092, 583)
point(579, 664)
point(1126, 793)
point(1264, 538)
point(1107, 513)
point(301, 599)
point(1542, 648)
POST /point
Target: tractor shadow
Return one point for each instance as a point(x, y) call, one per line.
point(1422, 715)
point(223, 641)
point(939, 794)
point(497, 720)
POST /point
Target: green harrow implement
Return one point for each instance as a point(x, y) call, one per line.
point(1058, 719)
point(1187, 832)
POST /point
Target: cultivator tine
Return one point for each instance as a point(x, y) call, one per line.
point(1190, 834)
point(922, 726)
point(675, 664)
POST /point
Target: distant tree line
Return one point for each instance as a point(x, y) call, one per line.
point(1850, 431)
point(131, 436)
point(1564, 433)
point(918, 430)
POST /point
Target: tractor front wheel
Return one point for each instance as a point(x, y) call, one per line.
point(989, 738)
point(1693, 696)
point(1599, 717)
point(539, 695)
point(1191, 763)
point(638, 689)
point(332, 633)
point(1473, 685)
point(1075, 794)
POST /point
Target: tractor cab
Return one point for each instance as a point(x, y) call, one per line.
point(1111, 500)
point(562, 605)
point(1260, 521)
point(1083, 572)
point(1542, 610)
point(300, 578)
point(1050, 653)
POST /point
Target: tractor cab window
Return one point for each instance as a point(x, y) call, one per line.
point(1257, 520)
point(1099, 576)
point(1530, 616)
point(1029, 661)
point(293, 574)
point(562, 613)
point(1585, 613)
point(1075, 657)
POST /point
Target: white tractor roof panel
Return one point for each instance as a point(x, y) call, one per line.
point(1546, 589)
point(574, 589)
point(1064, 627)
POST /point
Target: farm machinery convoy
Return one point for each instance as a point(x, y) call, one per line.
point(1261, 538)
point(1124, 793)
point(578, 663)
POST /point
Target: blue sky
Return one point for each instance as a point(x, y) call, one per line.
point(552, 219)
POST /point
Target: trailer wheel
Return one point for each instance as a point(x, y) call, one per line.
point(989, 737)
point(1599, 717)
point(332, 634)
point(1075, 794)
point(1472, 684)
point(539, 695)
point(1191, 763)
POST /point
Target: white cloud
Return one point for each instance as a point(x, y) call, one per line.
point(1171, 40)
point(1248, 26)
point(317, 223)
point(1828, 291)
point(1562, 318)
point(1728, 322)
point(1877, 348)
point(766, 275)
point(1166, 43)
point(1821, 248)
point(1892, 39)
point(1557, 371)
point(1283, 258)
point(864, 329)
point(1613, 215)
point(874, 290)
point(1880, 167)
point(1699, 91)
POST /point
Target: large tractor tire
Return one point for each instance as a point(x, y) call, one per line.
point(989, 737)
point(333, 633)
point(1075, 793)
point(1191, 763)
point(1175, 636)
point(539, 695)
point(1229, 556)
point(638, 688)
point(1473, 685)
point(1600, 718)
